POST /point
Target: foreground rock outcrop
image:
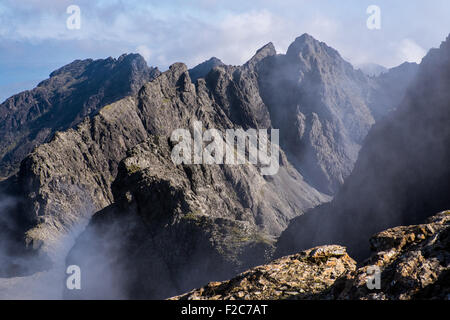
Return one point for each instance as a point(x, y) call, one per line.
point(174, 227)
point(301, 276)
point(321, 102)
point(414, 263)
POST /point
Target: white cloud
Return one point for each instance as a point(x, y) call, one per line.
point(409, 50)
point(145, 52)
point(241, 31)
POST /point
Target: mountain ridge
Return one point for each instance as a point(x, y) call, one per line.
point(72, 93)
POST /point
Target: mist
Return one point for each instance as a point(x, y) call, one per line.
point(27, 274)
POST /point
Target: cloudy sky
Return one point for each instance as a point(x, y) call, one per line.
point(35, 39)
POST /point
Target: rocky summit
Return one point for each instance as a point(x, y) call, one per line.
point(73, 92)
point(412, 261)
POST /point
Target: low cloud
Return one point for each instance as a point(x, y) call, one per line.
point(410, 51)
point(145, 52)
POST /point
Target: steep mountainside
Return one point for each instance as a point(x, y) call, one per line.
point(179, 226)
point(218, 219)
point(412, 261)
point(320, 102)
point(402, 174)
point(72, 93)
point(322, 106)
point(388, 89)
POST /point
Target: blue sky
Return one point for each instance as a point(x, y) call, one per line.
point(34, 39)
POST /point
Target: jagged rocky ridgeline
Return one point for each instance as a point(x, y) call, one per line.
point(147, 210)
point(412, 261)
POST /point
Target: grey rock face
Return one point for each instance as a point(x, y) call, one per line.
point(60, 188)
point(319, 102)
point(174, 227)
point(402, 173)
point(324, 108)
point(72, 93)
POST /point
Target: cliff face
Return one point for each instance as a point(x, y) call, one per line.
point(402, 173)
point(201, 70)
point(321, 104)
point(73, 92)
point(412, 262)
point(61, 188)
point(299, 276)
point(68, 179)
point(389, 88)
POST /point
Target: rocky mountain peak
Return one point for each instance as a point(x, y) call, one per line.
point(178, 68)
point(264, 52)
point(402, 173)
point(178, 75)
point(201, 70)
point(307, 46)
point(372, 69)
point(318, 99)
